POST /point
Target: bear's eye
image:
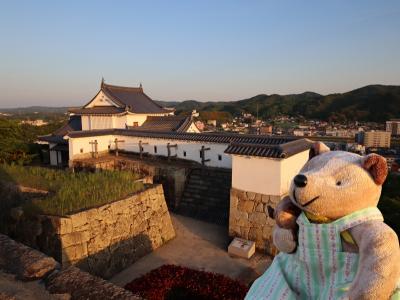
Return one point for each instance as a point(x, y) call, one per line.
point(339, 183)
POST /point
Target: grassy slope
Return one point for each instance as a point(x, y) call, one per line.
point(70, 192)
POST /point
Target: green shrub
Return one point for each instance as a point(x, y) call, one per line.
point(71, 192)
point(389, 203)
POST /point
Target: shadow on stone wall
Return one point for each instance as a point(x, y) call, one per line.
point(116, 257)
point(102, 240)
point(104, 263)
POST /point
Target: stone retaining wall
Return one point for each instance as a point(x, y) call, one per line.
point(107, 239)
point(103, 240)
point(27, 264)
point(248, 218)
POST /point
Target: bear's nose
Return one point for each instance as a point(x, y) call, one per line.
point(300, 180)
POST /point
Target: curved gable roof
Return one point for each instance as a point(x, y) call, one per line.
point(133, 98)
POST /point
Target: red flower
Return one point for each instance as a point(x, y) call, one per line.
point(175, 282)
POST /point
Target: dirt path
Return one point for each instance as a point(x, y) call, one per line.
point(201, 246)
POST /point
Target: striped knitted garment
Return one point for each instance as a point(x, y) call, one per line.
point(318, 269)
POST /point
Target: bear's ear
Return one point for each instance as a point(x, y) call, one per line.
point(317, 149)
point(376, 166)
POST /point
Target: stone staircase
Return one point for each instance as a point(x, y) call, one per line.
point(206, 195)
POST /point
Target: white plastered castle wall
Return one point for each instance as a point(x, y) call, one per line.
point(82, 146)
point(189, 150)
point(290, 167)
point(268, 176)
point(256, 174)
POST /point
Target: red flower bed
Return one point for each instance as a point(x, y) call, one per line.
point(177, 283)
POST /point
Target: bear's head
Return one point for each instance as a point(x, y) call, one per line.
point(333, 184)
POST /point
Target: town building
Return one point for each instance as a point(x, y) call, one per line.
point(393, 126)
point(374, 139)
point(212, 122)
point(38, 122)
point(57, 142)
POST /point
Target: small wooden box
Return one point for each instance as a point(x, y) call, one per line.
point(242, 248)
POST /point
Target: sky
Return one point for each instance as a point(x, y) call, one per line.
point(55, 53)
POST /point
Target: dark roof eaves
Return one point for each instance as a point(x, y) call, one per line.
point(200, 137)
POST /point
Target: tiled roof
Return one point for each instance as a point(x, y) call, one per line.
point(283, 150)
point(57, 137)
point(98, 110)
point(133, 98)
point(237, 144)
point(221, 138)
point(165, 123)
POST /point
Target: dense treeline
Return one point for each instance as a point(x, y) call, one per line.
point(17, 140)
point(389, 203)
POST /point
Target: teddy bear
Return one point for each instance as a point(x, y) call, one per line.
point(331, 236)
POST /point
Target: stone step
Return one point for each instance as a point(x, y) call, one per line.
point(212, 184)
point(213, 190)
point(206, 195)
point(209, 181)
point(201, 197)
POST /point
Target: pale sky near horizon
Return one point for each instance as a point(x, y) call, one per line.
point(54, 53)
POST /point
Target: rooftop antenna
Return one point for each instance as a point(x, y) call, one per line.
point(102, 81)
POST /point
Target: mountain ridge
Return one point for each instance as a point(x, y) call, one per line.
point(375, 102)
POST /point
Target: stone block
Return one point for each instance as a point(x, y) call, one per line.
point(243, 219)
point(244, 232)
point(92, 215)
point(258, 218)
point(79, 220)
point(233, 202)
point(234, 192)
point(258, 197)
point(265, 199)
point(27, 263)
point(259, 207)
point(267, 232)
point(74, 253)
point(255, 234)
point(234, 230)
point(160, 189)
point(274, 199)
point(233, 214)
point(270, 221)
point(74, 238)
point(246, 206)
point(251, 196)
point(61, 225)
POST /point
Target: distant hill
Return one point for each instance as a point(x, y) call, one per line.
point(375, 103)
point(33, 109)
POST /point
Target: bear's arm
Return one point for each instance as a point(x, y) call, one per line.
point(285, 230)
point(286, 214)
point(285, 240)
point(379, 264)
